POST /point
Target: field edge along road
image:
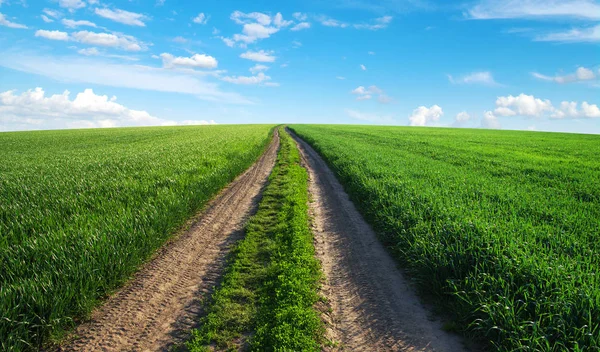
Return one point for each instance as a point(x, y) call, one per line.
point(373, 306)
point(163, 299)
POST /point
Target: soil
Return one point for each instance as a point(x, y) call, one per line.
point(157, 309)
point(372, 306)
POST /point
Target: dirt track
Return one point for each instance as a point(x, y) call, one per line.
point(155, 310)
point(373, 306)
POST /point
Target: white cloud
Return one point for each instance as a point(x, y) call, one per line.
point(228, 41)
point(7, 23)
point(201, 18)
point(74, 24)
point(300, 16)
point(47, 19)
point(259, 56)
point(260, 77)
point(503, 9)
point(99, 72)
point(116, 40)
point(576, 35)
point(463, 116)
point(215, 31)
point(195, 61)
point(242, 18)
point(89, 52)
point(423, 116)
point(363, 67)
point(570, 110)
point(160, 2)
point(255, 26)
point(52, 35)
point(490, 121)
point(364, 97)
point(523, 105)
point(330, 22)
point(340, 77)
point(369, 117)
point(484, 78)
point(180, 40)
point(34, 109)
point(378, 23)
point(258, 68)
point(53, 13)
point(279, 22)
point(122, 16)
point(581, 74)
point(71, 5)
point(300, 26)
point(368, 93)
point(384, 99)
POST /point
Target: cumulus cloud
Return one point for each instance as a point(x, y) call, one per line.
point(522, 105)
point(71, 5)
point(300, 26)
point(201, 18)
point(195, 61)
point(53, 13)
point(569, 109)
point(367, 93)
point(370, 117)
point(300, 16)
point(259, 78)
point(74, 24)
point(89, 52)
point(115, 40)
point(258, 68)
point(34, 109)
point(490, 121)
point(46, 19)
point(505, 9)
point(581, 74)
point(255, 26)
point(122, 16)
point(259, 56)
point(7, 23)
point(483, 78)
point(463, 116)
point(363, 67)
point(530, 106)
point(52, 35)
point(378, 23)
point(423, 116)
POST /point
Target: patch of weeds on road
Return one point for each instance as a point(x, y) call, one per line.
point(267, 296)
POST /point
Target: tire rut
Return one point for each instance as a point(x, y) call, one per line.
point(157, 308)
point(373, 308)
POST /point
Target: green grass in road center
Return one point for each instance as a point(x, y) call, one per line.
point(502, 226)
point(80, 210)
point(268, 293)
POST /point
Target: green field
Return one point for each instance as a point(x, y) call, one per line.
point(269, 291)
point(81, 210)
point(498, 227)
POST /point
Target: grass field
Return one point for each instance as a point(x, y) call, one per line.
point(81, 210)
point(269, 290)
point(500, 227)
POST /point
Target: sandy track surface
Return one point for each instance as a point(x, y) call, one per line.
point(373, 306)
point(162, 302)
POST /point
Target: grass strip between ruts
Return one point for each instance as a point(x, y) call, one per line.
point(267, 297)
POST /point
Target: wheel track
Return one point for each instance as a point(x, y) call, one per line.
point(162, 302)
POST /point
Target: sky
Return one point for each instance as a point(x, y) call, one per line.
point(509, 64)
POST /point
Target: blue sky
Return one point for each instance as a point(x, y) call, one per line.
point(508, 64)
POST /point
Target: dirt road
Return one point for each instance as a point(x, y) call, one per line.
point(155, 310)
point(373, 306)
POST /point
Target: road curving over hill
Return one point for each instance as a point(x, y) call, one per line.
point(373, 307)
point(161, 304)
